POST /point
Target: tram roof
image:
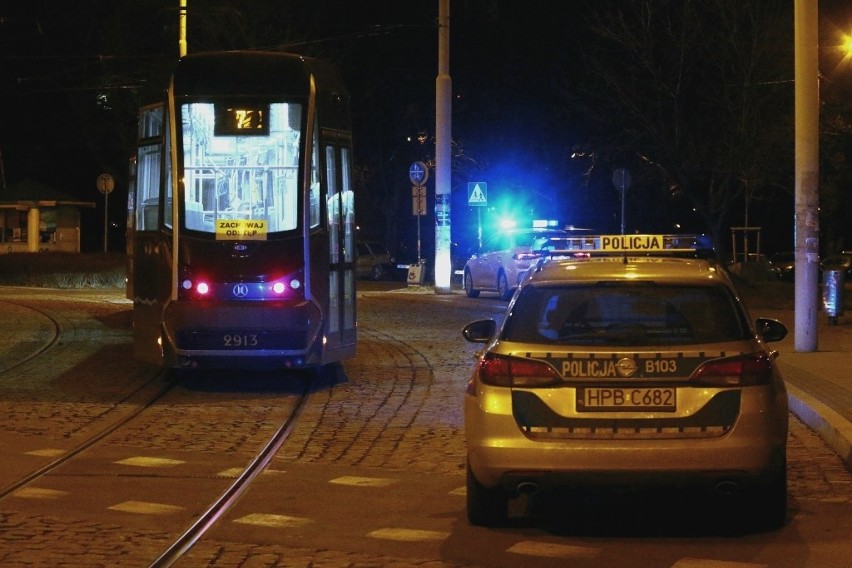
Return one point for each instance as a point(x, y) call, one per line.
point(257, 72)
point(262, 74)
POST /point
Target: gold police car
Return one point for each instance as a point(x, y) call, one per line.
point(635, 365)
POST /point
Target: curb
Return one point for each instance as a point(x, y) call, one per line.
point(831, 426)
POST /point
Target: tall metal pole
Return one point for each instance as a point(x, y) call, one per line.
point(806, 15)
point(443, 138)
point(106, 219)
point(182, 26)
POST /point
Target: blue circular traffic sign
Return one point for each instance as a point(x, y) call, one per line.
point(418, 173)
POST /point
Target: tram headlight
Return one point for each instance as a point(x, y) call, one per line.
point(202, 288)
point(279, 287)
point(295, 284)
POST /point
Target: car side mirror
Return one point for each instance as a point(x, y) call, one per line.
point(771, 330)
point(480, 331)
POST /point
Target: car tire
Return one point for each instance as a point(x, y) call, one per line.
point(486, 507)
point(503, 289)
point(468, 285)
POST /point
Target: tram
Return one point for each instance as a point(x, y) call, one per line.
point(241, 220)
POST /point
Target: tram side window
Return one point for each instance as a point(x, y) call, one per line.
point(348, 203)
point(149, 168)
point(314, 195)
point(150, 122)
point(341, 204)
point(333, 212)
point(167, 194)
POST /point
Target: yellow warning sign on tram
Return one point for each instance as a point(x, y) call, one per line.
point(241, 229)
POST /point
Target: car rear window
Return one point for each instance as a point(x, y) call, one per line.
point(616, 314)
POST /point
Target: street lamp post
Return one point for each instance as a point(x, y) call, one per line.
point(443, 157)
point(806, 16)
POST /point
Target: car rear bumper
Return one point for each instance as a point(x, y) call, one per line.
point(500, 453)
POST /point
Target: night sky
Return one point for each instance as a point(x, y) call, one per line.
point(73, 73)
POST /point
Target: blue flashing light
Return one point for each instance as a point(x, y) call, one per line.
point(506, 224)
point(545, 223)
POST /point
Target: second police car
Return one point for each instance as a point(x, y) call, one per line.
point(504, 259)
point(636, 366)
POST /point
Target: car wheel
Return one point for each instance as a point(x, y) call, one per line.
point(503, 287)
point(468, 285)
point(486, 507)
point(376, 272)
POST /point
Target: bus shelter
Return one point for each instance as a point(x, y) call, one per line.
point(38, 218)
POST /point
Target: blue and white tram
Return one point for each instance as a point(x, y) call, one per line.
point(241, 220)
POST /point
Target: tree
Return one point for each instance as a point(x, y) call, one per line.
point(694, 98)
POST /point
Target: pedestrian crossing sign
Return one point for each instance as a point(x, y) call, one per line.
point(477, 194)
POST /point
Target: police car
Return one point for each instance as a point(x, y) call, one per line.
point(504, 259)
point(636, 365)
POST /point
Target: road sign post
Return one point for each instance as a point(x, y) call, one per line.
point(418, 173)
point(477, 196)
point(105, 185)
point(621, 179)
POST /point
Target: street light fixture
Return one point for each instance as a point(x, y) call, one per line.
point(847, 46)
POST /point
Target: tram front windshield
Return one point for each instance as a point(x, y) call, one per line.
point(241, 168)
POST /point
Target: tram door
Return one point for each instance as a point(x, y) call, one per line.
point(150, 229)
point(341, 240)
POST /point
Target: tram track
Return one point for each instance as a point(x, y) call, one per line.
point(392, 372)
point(46, 336)
point(125, 409)
point(175, 550)
point(208, 518)
point(93, 439)
point(42, 336)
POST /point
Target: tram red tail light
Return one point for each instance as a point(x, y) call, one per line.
point(198, 288)
point(202, 288)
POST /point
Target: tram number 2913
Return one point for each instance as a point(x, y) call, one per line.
point(240, 340)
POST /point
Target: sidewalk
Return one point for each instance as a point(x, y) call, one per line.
point(819, 383)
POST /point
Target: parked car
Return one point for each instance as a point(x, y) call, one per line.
point(840, 261)
point(640, 372)
point(504, 259)
point(785, 264)
point(373, 261)
point(754, 266)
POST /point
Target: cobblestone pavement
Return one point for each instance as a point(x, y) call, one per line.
point(397, 411)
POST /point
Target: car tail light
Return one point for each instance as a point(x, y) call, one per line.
point(528, 256)
point(743, 371)
point(502, 371)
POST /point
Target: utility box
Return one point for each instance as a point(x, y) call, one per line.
point(833, 282)
point(415, 274)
